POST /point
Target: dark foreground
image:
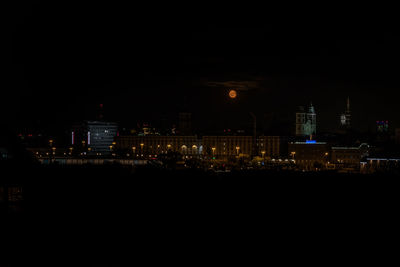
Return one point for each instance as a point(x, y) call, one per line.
point(110, 214)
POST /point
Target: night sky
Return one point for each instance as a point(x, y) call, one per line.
point(149, 62)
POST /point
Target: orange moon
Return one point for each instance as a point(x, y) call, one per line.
point(232, 94)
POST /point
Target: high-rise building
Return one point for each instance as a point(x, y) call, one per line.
point(94, 137)
point(306, 121)
point(345, 118)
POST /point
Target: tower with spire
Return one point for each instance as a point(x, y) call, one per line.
point(345, 118)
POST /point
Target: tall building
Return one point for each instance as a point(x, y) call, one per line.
point(306, 122)
point(95, 137)
point(345, 118)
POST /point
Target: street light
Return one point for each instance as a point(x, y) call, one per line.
point(213, 151)
point(133, 151)
point(237, 150)
point(184, 147)
point(194, 149)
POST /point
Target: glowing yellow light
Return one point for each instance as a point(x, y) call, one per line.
point(232, 94)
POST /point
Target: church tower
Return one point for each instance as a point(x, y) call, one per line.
point(345, 118)
point(306, 122)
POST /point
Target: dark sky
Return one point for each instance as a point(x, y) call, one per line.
point(147, 62)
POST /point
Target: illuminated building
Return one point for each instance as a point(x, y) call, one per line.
point(100, 136)
point(228, 146)
point(220, 147)
point(272, 146)
point(381, 164)
point(306, 122)
point(153, 145)
point(94, 137)
point(310, 154)
point(382, 126)
point(346, 158)
point(345, 118)
point(225, 146)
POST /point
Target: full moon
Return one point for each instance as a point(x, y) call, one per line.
point(232, 94)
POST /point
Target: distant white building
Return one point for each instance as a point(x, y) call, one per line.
point(101, 136)
point(306, 121)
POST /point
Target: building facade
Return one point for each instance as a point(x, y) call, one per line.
point(306, 121)
point(227, 146)
point(309, 155)
point(150, 146)
point(272, 146)
point(220, 147)
point(94, 137)
point(346, 158)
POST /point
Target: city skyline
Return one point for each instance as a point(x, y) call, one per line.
point(140, 127)
point(60, 69)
